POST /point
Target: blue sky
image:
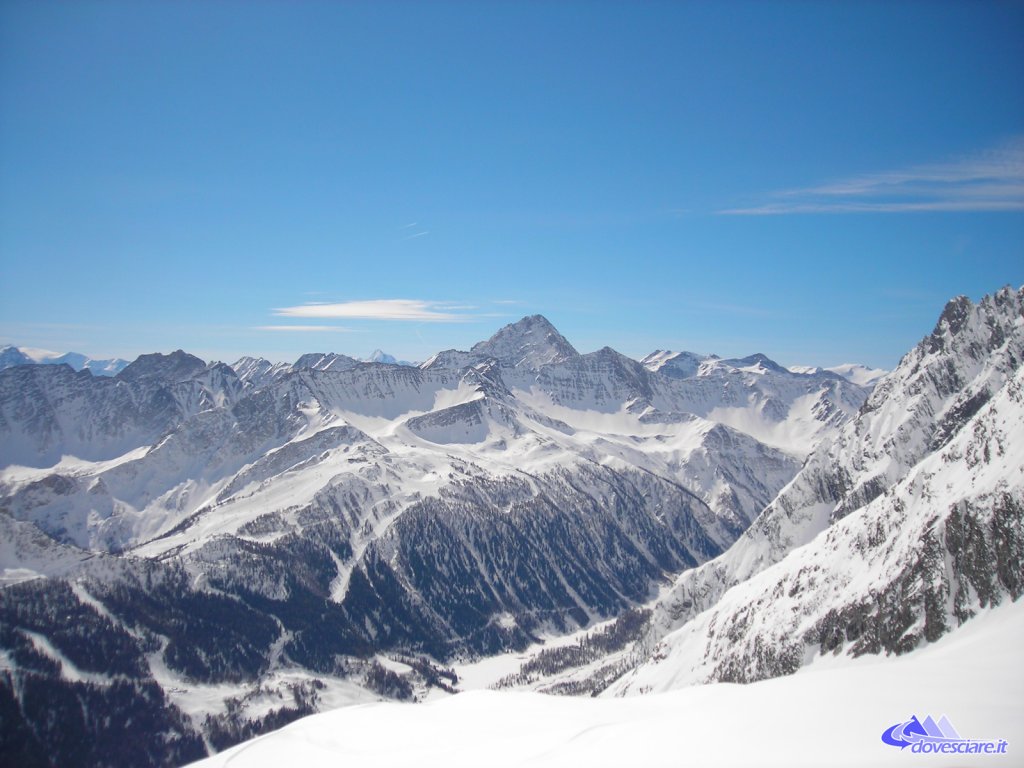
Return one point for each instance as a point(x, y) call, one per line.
point(810, 180)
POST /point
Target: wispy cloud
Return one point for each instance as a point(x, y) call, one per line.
point(414, 230)
point(992, 180)
point(381, 309)
point(303, 328)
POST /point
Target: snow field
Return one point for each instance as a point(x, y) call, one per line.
point(830, 713)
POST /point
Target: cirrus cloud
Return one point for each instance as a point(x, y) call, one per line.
point(379, 309)
point(992, 180)
point(302, 328)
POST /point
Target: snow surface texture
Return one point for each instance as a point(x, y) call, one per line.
point(28, 553)
point(828, 714)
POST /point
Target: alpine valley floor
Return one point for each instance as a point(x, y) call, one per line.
point(832, 712)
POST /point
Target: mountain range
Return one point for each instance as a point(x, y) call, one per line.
point(897, 530)
point(335, 530)
point(11, 356)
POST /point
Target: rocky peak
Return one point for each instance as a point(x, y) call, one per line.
point(677, 365)
point(951, 322)
point(247, 366)
point(955, 314)
point(11, 356)
point(254, 372)
point(985, 324)
point(757, 359)
point(175, 367)
point(324, 361)
point(530, 342)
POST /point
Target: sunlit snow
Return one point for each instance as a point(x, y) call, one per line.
point(830, 713)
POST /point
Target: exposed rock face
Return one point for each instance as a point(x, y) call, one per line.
point(530, 343)
point(320, 361)
point(47, 412)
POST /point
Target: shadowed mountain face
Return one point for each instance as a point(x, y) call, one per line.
point(244, 525)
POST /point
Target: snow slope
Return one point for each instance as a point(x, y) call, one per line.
point(27, 553)
point(828, 714)
point(940, 546)
point(914, 411)
point(903, 528)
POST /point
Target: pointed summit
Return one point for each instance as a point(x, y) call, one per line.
point(531, 342)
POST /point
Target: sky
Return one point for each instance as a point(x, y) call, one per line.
point(811, 180)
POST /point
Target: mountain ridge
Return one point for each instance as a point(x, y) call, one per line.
point(261, 527)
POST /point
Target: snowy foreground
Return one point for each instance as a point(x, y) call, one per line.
point(831, 713)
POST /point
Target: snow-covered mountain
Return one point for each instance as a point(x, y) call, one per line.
point(529, 344)
point(855, 372)
point(49, 412)
point(679, 365)
point(380, 356)
point(256, 372)
point(199, 432)
point(896, 531)
point(11, 356)
point(782, 408)
point(899, 530)
point(336, 529)
point(682, 365)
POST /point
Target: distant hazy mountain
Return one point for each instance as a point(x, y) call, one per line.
point(11, 356)
point(858, 374)
point(380, 356)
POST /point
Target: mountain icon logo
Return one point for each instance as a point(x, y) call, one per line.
point(930, 736)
